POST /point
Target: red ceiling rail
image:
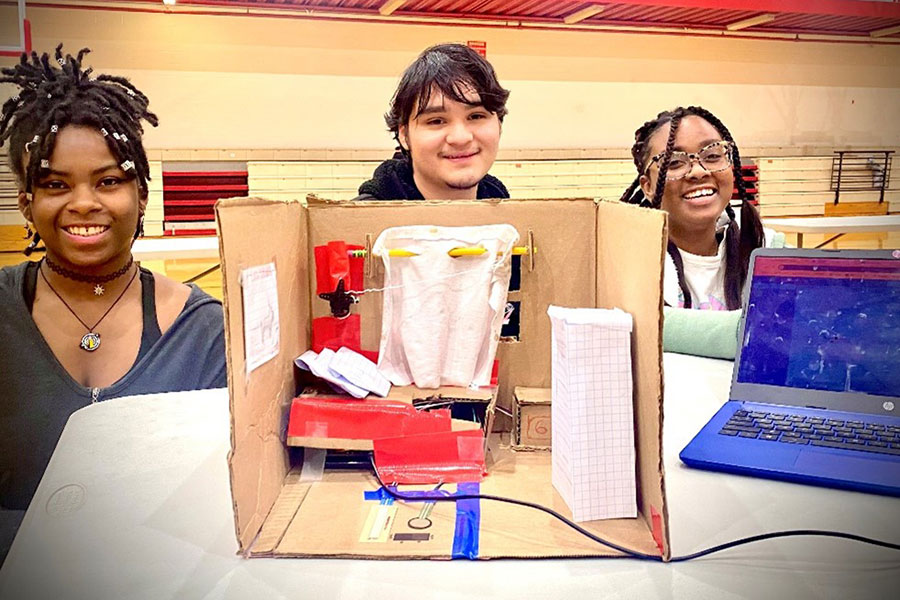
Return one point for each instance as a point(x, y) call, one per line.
point(510, 9)
point(845, 8)
point(851, 20)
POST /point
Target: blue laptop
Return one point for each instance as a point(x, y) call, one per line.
point(815, 395)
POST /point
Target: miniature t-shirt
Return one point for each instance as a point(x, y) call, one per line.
point(442, 315)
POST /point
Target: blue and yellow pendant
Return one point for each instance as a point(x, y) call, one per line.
point(90, 341)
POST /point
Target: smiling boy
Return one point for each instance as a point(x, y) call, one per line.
point(446, 116)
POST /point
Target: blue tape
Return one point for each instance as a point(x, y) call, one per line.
point(379, 495)
point(408, 495)
point(468, 515)
point(468, 522)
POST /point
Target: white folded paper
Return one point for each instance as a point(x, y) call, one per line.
point(345, 370)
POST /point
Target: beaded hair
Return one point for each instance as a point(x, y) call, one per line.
point(55, 93)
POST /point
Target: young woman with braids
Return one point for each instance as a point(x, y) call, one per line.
point(688, 165)
point(85, 323)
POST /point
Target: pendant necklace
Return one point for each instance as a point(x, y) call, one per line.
point(91, 340)
point(97, 280)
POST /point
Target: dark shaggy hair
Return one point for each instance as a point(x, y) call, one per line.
point(55, 94)
point(740, 241)
point(453, 69)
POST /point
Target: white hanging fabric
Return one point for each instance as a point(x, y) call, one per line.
point(442, 314)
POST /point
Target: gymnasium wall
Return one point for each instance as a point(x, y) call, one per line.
point(264, 82)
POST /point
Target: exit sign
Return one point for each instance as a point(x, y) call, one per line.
point(479, 47)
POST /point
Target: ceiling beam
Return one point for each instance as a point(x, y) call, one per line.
point(751, 22)
point(390, 6)
point(584, 13)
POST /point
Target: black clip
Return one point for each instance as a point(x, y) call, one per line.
point(340, 300)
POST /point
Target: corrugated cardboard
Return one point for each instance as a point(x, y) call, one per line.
point(531, 419)
point(588, 254)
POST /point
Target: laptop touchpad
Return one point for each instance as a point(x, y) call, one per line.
point(851, 468)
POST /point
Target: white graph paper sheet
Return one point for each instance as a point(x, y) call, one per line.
point(592, 415)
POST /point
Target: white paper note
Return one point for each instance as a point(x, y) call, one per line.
point(259, 289)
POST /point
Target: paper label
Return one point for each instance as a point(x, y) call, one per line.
point(377, 527)
point(261, 329)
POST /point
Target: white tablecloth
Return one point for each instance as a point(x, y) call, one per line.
point(136, 504)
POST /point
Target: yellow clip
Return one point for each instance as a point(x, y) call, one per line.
point(475, 251)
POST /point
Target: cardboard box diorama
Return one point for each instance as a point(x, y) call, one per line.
point(589, 254)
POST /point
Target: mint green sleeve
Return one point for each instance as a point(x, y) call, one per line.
point(711, 333)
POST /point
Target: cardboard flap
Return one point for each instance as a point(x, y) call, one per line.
point(529, 395)
point(631, 241)
point(258, 461)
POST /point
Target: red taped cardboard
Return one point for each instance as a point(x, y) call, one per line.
point(446, 457)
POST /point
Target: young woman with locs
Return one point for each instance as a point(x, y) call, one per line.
point(86, 322)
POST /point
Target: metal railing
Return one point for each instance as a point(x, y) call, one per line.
point(860, 170)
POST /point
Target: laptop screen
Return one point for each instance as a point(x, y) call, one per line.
point(821, 323)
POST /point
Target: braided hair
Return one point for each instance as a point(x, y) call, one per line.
point(54, 94)
point(739, 241)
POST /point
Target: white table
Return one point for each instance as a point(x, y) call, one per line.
point(834, 225)
point(175, 247)
point(206, 247)
point(145, 512)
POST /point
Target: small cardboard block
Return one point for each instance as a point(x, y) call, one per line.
point(531, 419)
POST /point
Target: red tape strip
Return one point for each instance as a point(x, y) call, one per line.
point(657, 529)
point(449, 457)
point(339, 418)
point(334, 333)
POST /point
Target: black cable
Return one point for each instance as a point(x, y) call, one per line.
point(788, 533)
point(634, 553)
point(398, 496)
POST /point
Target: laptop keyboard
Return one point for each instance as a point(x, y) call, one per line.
point(814, 431)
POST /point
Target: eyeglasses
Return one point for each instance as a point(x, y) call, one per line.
point(714, 158)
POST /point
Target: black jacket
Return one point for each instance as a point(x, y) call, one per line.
point(393, 180)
